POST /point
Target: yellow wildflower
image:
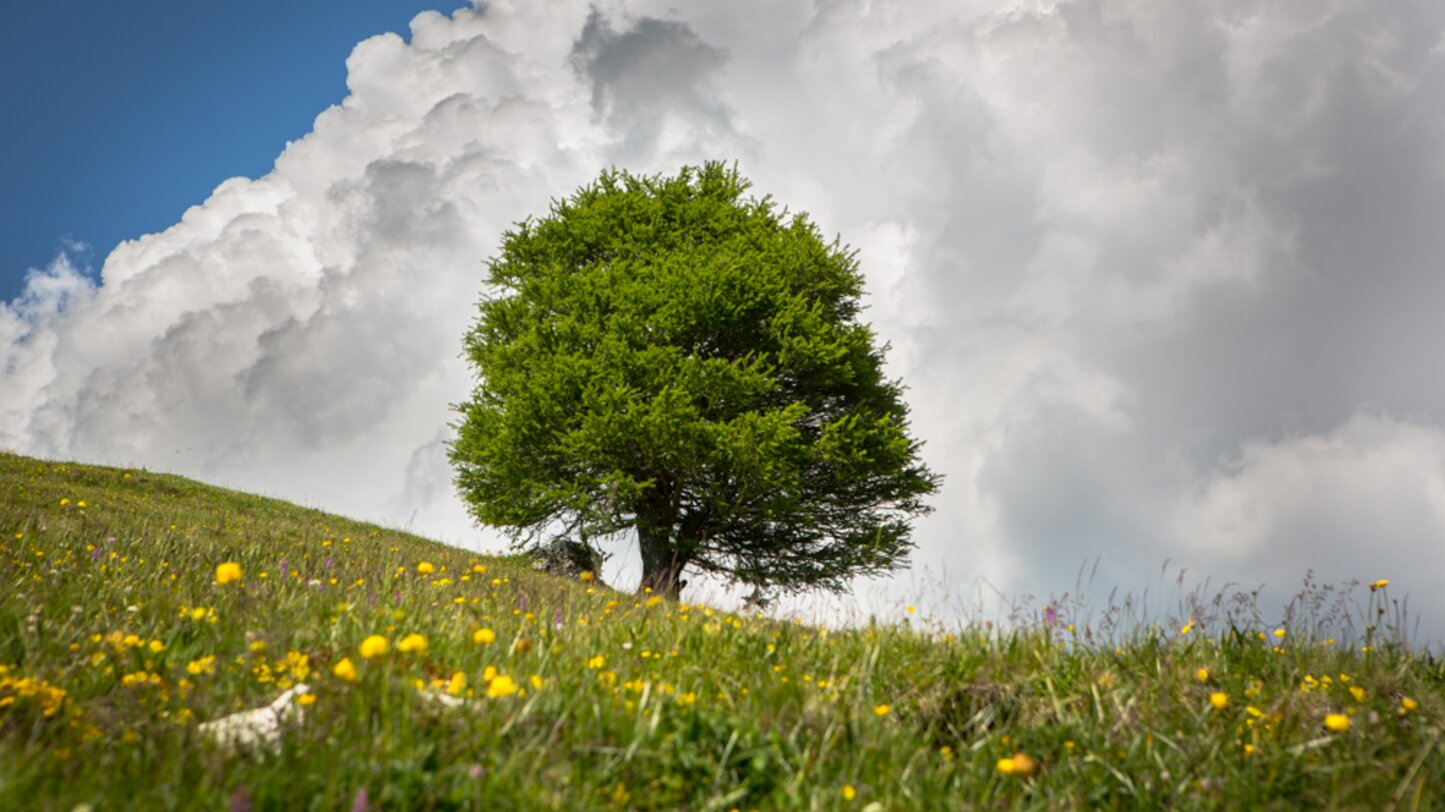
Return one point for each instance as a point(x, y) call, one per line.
point(425, 568)
point(411, 643)
point(373, 646)
point(228, 572)
point(882, 710)
point(1337, 722)
point(457, 684)
point(1019, 764)
point(1380, 584)
point(345, 670)
point(1219, 699)
point(204, 665)
point(1202, 675)
point(500, 686)
point(849, 793)
point(484, 637)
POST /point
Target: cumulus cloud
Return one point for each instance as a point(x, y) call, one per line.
point(1161, 277)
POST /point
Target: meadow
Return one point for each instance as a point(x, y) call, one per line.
point(137, 607)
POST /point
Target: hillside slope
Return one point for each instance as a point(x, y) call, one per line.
point(125, 629)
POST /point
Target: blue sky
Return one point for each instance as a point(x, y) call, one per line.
point(122, 115)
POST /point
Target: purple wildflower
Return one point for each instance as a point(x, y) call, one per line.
point(361, 803)
point(283, 568)
point(1050, 616)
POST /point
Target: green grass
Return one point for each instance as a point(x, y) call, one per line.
point(642, 703)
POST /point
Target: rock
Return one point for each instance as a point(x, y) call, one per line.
point(567, 557)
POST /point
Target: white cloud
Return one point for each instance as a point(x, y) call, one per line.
point(1369, 495)
point(1111, 241)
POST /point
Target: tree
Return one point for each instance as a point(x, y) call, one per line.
point(660, 354)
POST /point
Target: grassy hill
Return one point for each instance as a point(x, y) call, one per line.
point(504, 688)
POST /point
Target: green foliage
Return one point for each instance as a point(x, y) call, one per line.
point(662, 355)
point(637, 703)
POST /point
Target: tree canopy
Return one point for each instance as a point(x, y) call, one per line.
point(665, 356)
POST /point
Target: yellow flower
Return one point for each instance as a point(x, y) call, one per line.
point(501, 686)
point(1219, 699)
point(1380, 584)
point(484, 637)
point(881, 710)
point(849, 793)
point(1024, 765)
point(157, 647)
point(205, 665)
point(1407, 704)
point(1019, 764)
point(1337, 722)
point(586, 576)
point(345, 670)
point(373, 646)
point(425, 568)
point(411, 643)
point(306, 699)
point(457, 684)
point(1358, 693)
point(64, 502)
point(1279, 634)
point(1187, 628)
point(228, 572)
point(1202, 675)
point(597, 662)
point(537, 682)
point(653, 601)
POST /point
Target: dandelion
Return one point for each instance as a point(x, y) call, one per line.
point(374, 646)
point(204, 665)
point(537, 682)
point(586, 576)
point(597, 662)
point(1202, 675)
point(1219, 699)
point(1187, 628)
point(412, 643)
point(849, 793)
point(1358, 693)
point(1380, 584)
point(425, 568)
point(345, 670)
point(306, 699)
point(881, 710)
point(228, 572)
point(653, 601)
point(1279, 634)
point(500, 686)
point(1020, 764)
point(484, 637)
point(457, 684)
point(1337, 722)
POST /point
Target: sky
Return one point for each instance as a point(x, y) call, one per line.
point(123, 115)
point(1163, 279)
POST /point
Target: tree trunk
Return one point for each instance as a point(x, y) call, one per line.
point(662, 564)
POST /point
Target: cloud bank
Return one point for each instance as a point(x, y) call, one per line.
point(1163, 279)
